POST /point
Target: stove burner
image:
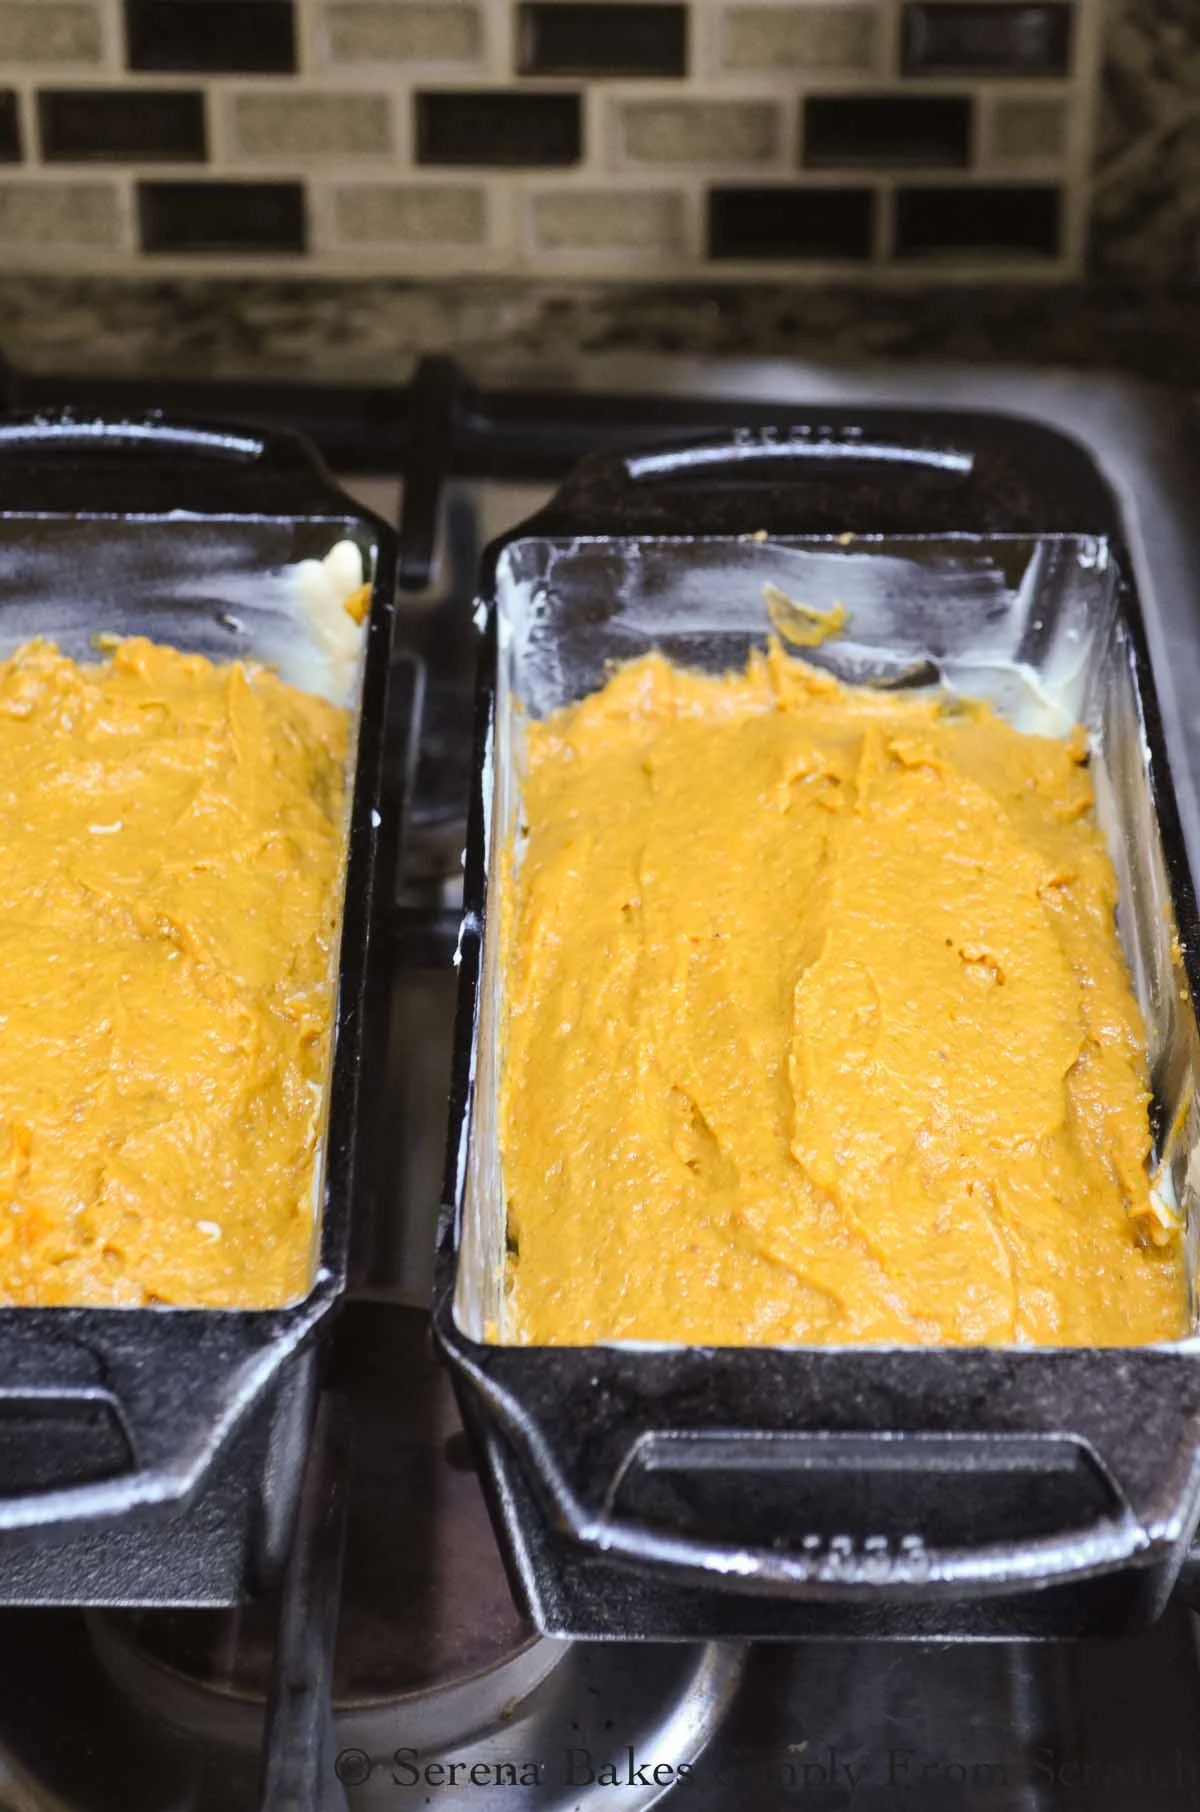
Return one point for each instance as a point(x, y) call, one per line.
point(426, 1603)
point(435, 1671)
point(427, 1615)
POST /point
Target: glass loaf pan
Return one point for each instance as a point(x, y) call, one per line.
point(657, 1491)
point(153, 1455)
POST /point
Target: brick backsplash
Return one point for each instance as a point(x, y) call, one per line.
point(619, 138)
point(798, 40)
point(447, 32)
point(305, 125)
point(215, 35)
point(887, 131)
point(10, 127)
point(837, 225)
point(50, 32)
point(987, 37)
point(559, 37)
point(120, 125)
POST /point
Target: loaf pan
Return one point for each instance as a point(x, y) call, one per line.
point(680, 1491)
point(154, 1455)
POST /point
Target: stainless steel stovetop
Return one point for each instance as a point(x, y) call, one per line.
point(435, 1693)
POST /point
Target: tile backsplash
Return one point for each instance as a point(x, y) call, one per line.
point(624, 138)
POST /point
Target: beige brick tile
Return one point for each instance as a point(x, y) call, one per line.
point(60, 215)
point(1027, 128)
point(50, 31)
point(397, 31)
point(443, 214)
point(592, 220)
point(797, 37)
point(295, 124)
point(711, 133)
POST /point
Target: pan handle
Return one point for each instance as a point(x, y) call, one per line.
point(921, 473)
point(101, 1421)
point(63, 459)
point(845, 1515)
point(826, 1544)
point(790, 480)
point(833, 1474)
point(749, 452)
point(148, 438)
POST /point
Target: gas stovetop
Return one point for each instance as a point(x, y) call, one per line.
point(392, 1669)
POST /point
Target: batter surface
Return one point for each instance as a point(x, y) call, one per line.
point(172, 837)
point(818, 1028)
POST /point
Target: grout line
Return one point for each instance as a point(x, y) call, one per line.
point(307, 24)
point(28, 128)
point(883, 250)
point(889, 51)
point(112, 38)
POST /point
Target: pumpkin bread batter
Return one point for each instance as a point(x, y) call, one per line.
point(172, 835)
point(818, 1029)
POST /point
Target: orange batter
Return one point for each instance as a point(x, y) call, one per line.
point(172, 839)
point(818, 1028)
